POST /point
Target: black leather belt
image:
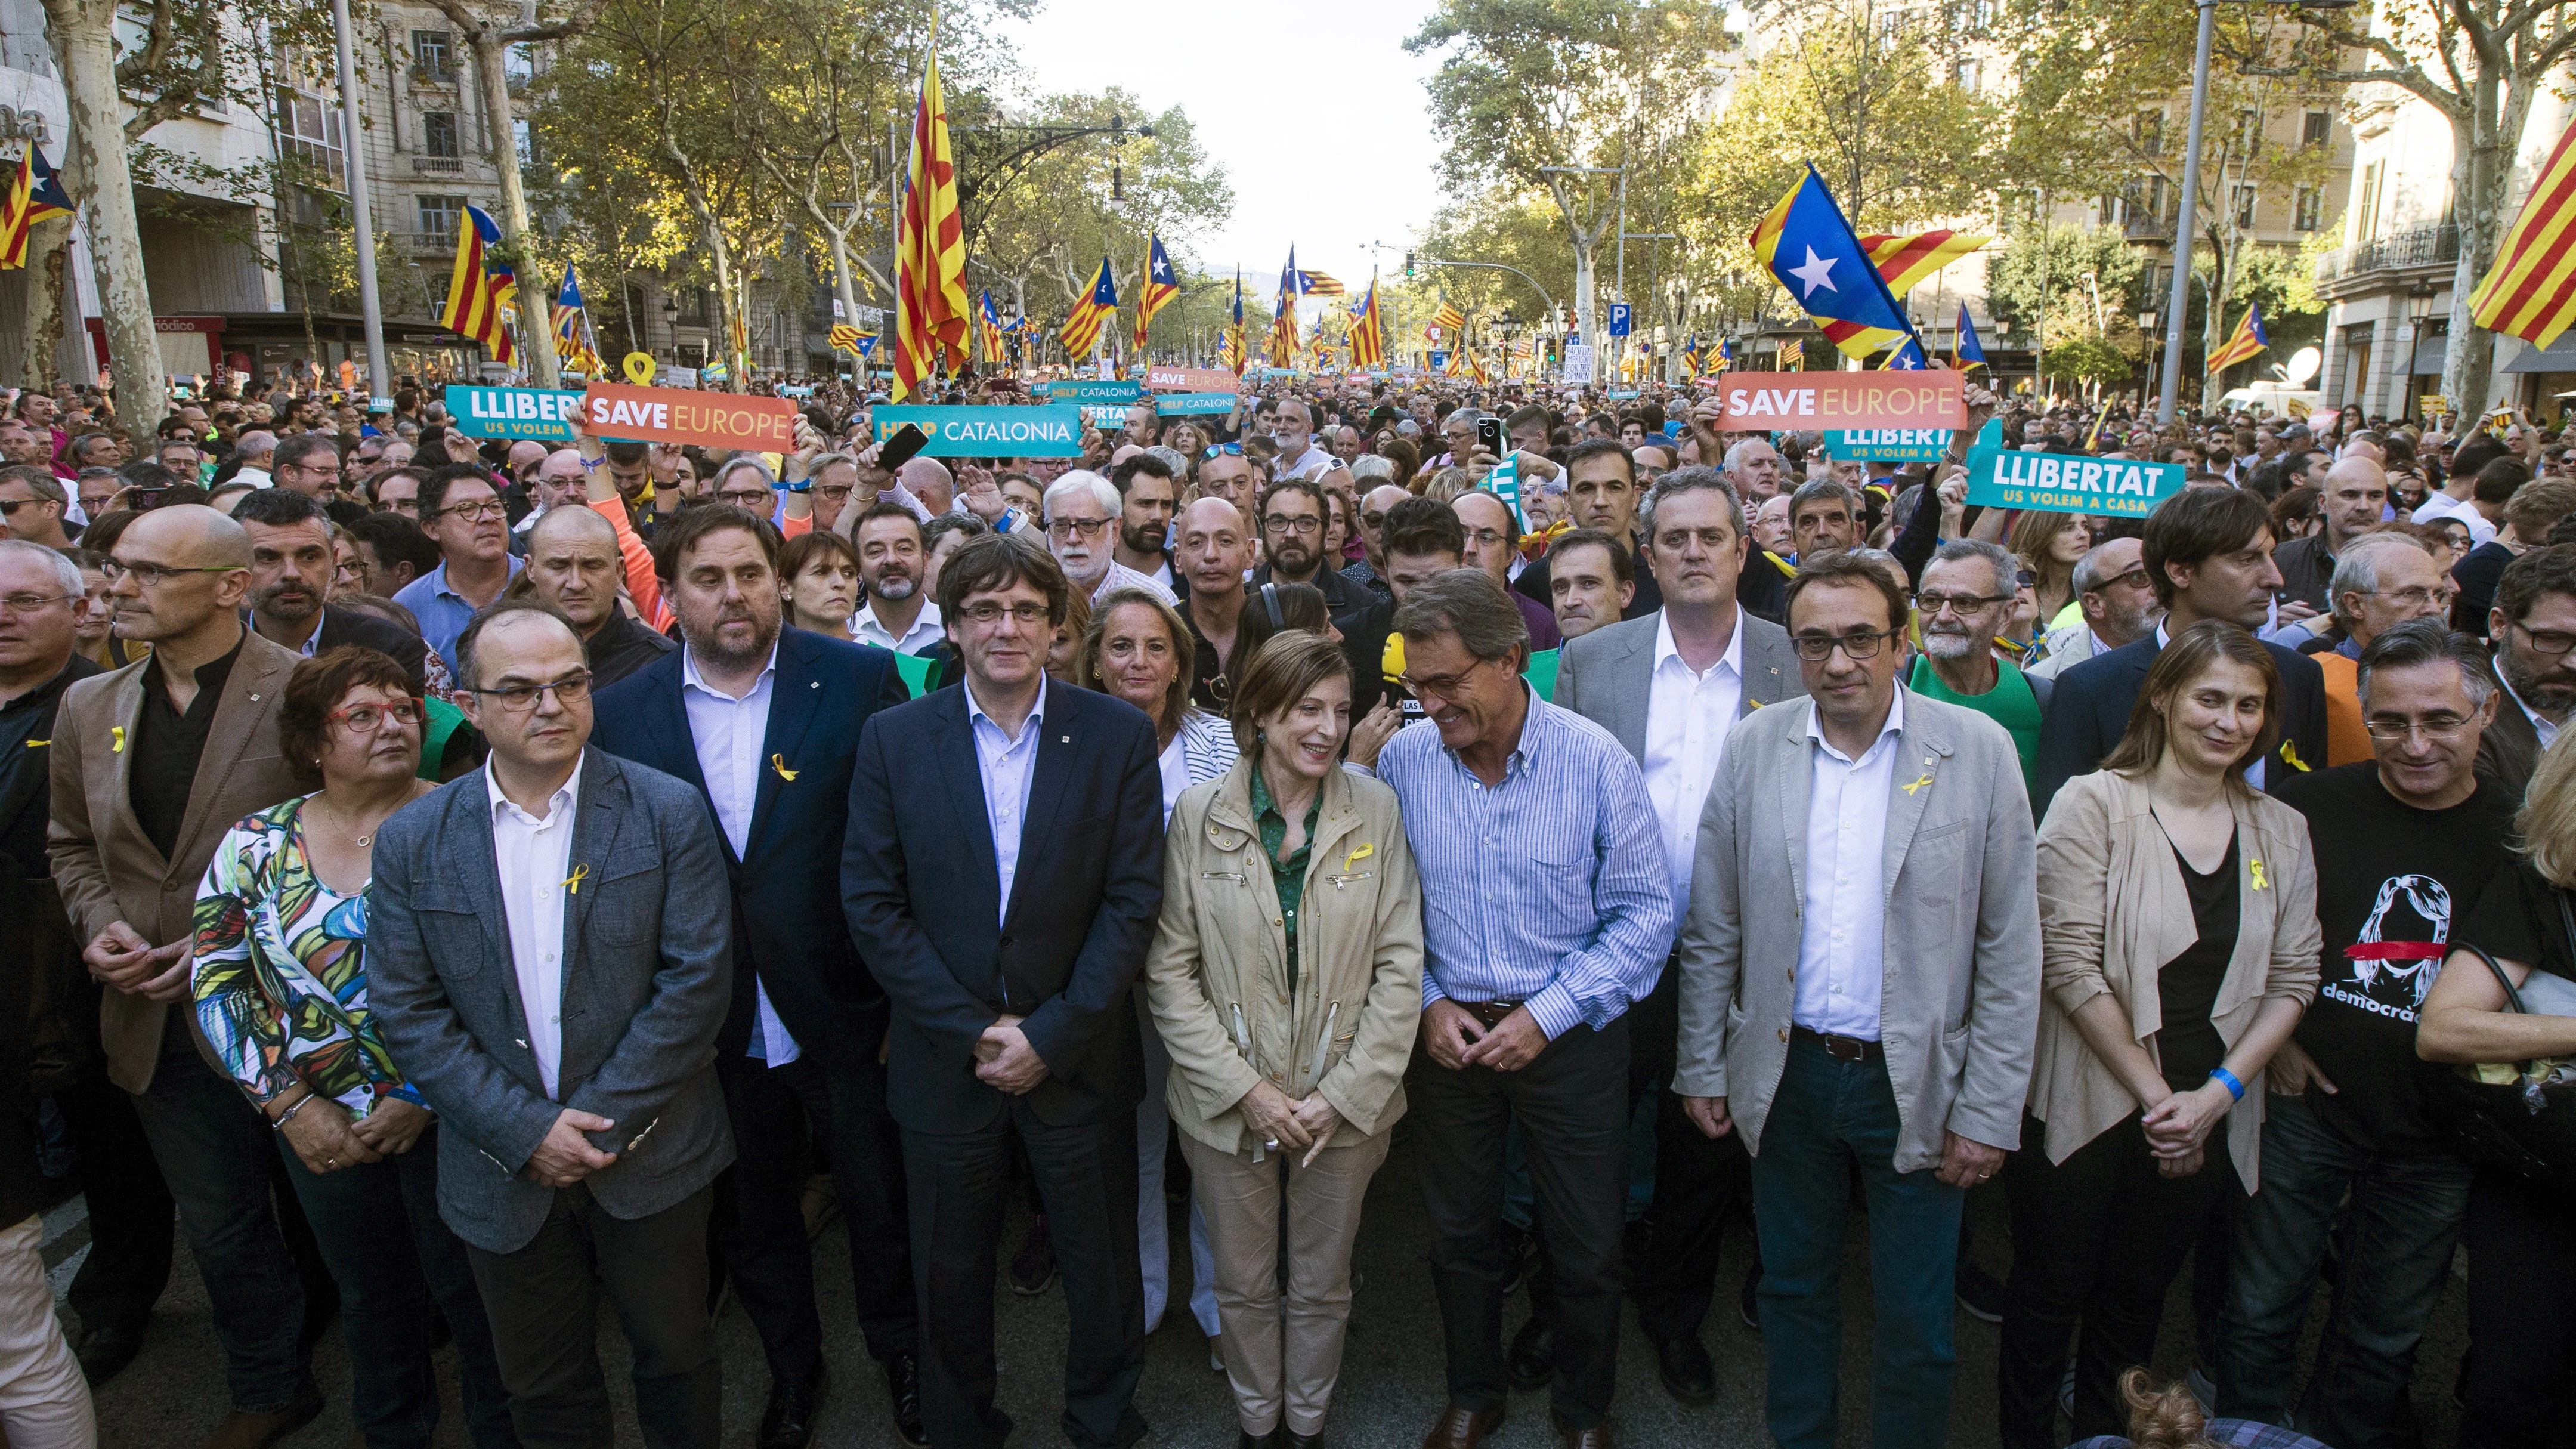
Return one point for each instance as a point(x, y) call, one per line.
point(1490, 1014)
point(1840, 1048)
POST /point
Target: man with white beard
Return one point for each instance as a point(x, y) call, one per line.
point(1966, 592)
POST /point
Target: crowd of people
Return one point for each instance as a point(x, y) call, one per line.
point(462, 880)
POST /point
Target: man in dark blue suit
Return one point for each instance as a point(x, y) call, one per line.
point(1002, 874)
point(2208, 552)
point(765, 723)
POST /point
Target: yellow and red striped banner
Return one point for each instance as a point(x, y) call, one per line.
point(2530, 292)
point(930, 308)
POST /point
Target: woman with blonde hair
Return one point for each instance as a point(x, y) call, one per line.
point(2179, 942)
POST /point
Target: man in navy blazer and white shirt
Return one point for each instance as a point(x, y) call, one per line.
point(764, 722)
point(1002, 874)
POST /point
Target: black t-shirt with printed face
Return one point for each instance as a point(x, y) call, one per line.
point(2394, 888)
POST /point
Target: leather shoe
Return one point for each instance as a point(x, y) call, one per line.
point(1246, 1439)
point(1460, 1428)
point(258, 1431)
point(1305, 1441)
point(1687, 1373)
point(1596, 1437)
point(903, 1386)
point(788, 1422)
point(1532, 1362)
point(105, 1351)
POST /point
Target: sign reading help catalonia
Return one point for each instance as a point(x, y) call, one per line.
point(1051, 431)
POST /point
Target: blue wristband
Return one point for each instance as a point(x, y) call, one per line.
point(2235, 1088)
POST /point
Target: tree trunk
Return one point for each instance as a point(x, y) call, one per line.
point(85, 53)
point(536, 303)
point(2481, 181)
point(49, 254)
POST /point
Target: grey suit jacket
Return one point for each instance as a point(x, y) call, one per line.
point(648, 974)
point(1959, 1006)
point(1607, 675)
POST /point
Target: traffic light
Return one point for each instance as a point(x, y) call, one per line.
point(1408, 264)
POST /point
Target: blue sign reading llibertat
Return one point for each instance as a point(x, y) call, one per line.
point(2071, 483)
point(510, 412)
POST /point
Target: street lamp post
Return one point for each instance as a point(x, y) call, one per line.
point(2419, 310)
point(2147, 328)
point(370, 307)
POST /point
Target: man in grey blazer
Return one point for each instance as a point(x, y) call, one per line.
point(1860, 983)
point(550, 953)
point(1669, 687)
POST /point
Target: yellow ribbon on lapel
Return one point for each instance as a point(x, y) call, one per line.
point(779, 763)
point(116, 739)
point(38, 744)
point(572, 882)
point(1918, 784)
point(2290, 757)
point(2254, 868)
point(1355, 857)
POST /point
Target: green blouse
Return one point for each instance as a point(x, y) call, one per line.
point(1289, 875)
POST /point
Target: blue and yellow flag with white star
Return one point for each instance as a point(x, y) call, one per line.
point(1811, 248)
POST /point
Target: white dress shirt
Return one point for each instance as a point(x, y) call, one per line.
point(1008, 767)
point(1120, 576)
point(2541, 724)
point(926, 629)
point(2439, 505)
point(728, 733)
point(1841, 946)
point(1175, 765)
point(535, 861)
point(1687, 717)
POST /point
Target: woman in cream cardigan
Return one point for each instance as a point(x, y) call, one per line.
point(1286, 979)
point(2179, 947)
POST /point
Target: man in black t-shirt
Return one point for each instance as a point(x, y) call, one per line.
point(2404, 845)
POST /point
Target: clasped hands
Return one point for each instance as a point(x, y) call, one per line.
point(1004, 1058)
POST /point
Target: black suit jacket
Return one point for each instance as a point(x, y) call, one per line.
point(340, 626)
point(789, 933)
point(924, 902)
point(2509, 750)
point(2090, 711)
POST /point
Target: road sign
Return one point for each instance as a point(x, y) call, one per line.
point(1618, 319)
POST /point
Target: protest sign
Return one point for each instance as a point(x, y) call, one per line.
point(1194, 404)
point(1051, 431)
point(1189, 379)
point(1887, 445)
point(1085, 390)
point(1762, 401)
point(510, 412)
point(710, 419)
point(1578, 363)
point(2072, 483)
point(1505, 483)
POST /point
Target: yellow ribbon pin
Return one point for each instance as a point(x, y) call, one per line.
point(2254, 868)
point(2290, 757)
point(38, 744)
point(116, 739)
point(1918, 784)
point(1356, 856)
point(572, 882)
point(779, 763)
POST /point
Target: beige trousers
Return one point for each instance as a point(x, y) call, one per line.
point(1283, 1361)
point(44, 1402)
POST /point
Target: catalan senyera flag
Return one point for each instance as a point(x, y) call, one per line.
point(481, 291)
point(1235, 355)
point(1813, 252)
point(930, 307)
point(1793, 357)
point(1969, 352)
point(1368, 330)
point(988, 328)
point(2248, 342)
point(1161, 286)
point(741, 338)
point(1445, 322)
point(1082, 327)
point(2530, 292)
point(35, 194)
point(1320, 284)
point(1283, 315)
point(1903, 261)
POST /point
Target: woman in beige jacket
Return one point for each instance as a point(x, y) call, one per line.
point(2179, 939)
point(1286, 979)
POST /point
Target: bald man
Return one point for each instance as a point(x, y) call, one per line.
point(2355, 502)
point(928, 480)
point(557, 480)
point(185, 741)
point(573, 563)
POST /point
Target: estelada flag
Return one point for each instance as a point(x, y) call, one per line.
point(989, 324)
point(35, 194)
point(480, 290)
point(2530, 292)
point(1814, 253)
point(845, 338)
point(1368, 330)
point(1969, 352)
point(1235, 356)
point(1283, 314)
point(2249, 341)
point(1081, 333)
point(930, 309)
point(1160, 287)
point(1319, 284)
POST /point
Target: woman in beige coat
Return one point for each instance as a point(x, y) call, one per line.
point(1286, 979)
point(2179, 939)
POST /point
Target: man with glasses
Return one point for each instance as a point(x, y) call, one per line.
point(557, 481)
point(150, 766)
point(1370, 571)
point(550, 953)
point(1081, 508)
point(32, 502)
point(291, 572)
point(1536, 824)
point(1602, 493)
point(1967, 591)
point(2533, 624)
point(181, 456)
point(309, 463)
point(1293, 514)
point(1492, 539)
point(745, 483)
point(463, 514)
point(2118, 603)
point(1010, 952)
point(2381, 580)
point(2405, 842)
point(1886, 1022)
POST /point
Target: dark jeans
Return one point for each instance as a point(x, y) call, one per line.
point(218, 1159)
point(2403, 1222)
point(1828, 1118)
point(761, 1203)
point(1572, 1107)
point(2522, 1316)
point(130, 1211)
point(2098, 1237)
point(543, 1301)
point(379, 1230)
point(1086, 1177)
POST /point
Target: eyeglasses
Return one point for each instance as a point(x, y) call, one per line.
point(986, 615)
point(757, 501)
point(1224, 450)
point(2418, 597)
point(1440, 686)
point(1070, 528)
point(366, 719)
point(9, 506)
point(2135, 578)
point(1933, 603)
point(2395, 731)
point(483, 512)
point(2551, 643)
point(521, 698)
point(33, 603)
point(1859, 644)
point(153, 575)
point(1304, 527)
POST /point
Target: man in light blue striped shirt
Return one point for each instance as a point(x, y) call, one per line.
point(1547, 913)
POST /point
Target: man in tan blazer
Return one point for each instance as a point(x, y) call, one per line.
point(151, 765)
point(1860, 983)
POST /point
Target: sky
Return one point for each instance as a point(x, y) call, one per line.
point(1315, 112)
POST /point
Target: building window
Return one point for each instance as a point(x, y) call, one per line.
point(526, 136)
point(308, 130)
point(2150, 132)
point(438, 215)
point(2317, 128)
point(2245, 207)
point(2365, 221)
point(694, 302)
point(433, 52)
point(2160, 198)
point(1970, 73)
point(519, 63)
point(438, 134)
point(2307, 208)
point(2249, 132)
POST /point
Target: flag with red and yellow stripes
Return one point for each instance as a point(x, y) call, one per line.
point(1902, 261)
point(930, 307)
point(1161, 286)
point(481, 290)
point(2248, 342)
point(35, 194)
point(2530, 292)
point(1091, 313)
point(1368, 330)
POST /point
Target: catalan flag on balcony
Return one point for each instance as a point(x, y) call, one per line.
point(480, 290)
point(1813, 252)
point(1091, 313)
point(930, 308)
point(1368, 330)
point(2247, 343)
point(2530, 292)
point(35, 194)
point(1235, 356)
point(1903, 261)
point(1161, 286)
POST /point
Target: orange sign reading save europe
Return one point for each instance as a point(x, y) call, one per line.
point(679, 415)
point(1764, 401)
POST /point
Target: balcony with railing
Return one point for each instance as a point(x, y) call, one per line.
point(2419, 246)
point(438, 165)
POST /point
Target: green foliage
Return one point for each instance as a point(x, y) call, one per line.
point(2035, 273)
